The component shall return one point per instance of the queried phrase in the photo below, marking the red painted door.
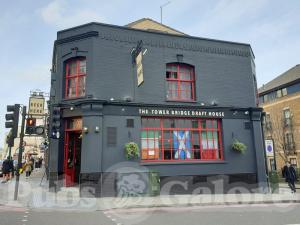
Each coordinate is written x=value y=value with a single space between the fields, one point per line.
x=72 y=153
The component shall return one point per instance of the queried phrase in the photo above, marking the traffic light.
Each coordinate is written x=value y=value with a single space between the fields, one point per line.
x=12 y=119
x=55 y=122
x=30 y=126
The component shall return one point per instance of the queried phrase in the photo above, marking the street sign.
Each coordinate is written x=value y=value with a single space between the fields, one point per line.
x=36 y=105
x=269 y=148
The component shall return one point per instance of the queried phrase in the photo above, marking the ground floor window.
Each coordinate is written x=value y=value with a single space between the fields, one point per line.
x=177 y=139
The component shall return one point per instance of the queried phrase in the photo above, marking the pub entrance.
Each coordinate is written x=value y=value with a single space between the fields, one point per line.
x=72 y=151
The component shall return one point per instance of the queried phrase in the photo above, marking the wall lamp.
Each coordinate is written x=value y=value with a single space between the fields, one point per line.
x=97 y=129
x=214 y=103
x=85 y=130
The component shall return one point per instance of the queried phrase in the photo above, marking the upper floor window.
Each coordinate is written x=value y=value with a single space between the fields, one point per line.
x=279 y=93
x=284 y=92
x=75 y=77
x=268 y=122
x=180 y=82
x=289 y=143
x=287 y=120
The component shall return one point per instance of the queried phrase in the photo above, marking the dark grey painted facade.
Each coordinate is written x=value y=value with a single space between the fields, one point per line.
x=224 y=74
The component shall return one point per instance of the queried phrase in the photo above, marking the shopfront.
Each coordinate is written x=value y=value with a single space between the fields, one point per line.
x=183 y=100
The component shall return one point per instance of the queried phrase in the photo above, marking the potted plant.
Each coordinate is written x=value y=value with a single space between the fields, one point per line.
x=238 y=146
x=131 y=150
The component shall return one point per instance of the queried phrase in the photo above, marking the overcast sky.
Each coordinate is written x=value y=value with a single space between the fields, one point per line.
x=28 y=29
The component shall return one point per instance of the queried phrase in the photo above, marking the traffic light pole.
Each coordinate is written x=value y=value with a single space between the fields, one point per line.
x=9 y=153
x=20 y=153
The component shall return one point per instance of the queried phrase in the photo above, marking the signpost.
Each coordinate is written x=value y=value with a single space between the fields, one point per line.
x=269 y=148
x=270 y=152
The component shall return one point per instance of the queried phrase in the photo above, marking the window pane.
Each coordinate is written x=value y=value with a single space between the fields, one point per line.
x=71 y=87
x=195 y=123
x=186 y=86
x=72 y=68
x=181 y=123
x=284 y=92
x=172 y=67
x=81 y=86
x=182 y=145
x=279 y=94
x=214 y=124
x=75 y=123
x=186 y=95
x=172 y=92
x=196 y=145
x=203 y=124
x=150 y=122
x=216 y=138
x=185 y=76
x=172 y=75
x=210 y=140
x=172 y=85
x=82 y=66
x=204 y=140
x=168 y=123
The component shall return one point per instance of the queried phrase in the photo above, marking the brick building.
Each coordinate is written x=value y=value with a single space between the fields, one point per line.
x=182 y=99
x=280 y=99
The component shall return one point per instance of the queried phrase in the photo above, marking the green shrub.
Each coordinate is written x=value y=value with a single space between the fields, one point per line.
x=274 y=181
x=131 y=150
x=238 y=146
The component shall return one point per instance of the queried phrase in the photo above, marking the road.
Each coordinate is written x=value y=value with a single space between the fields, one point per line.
x=280 y=214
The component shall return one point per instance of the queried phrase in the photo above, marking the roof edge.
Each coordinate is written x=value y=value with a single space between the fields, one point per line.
x=279 y=87
x=282 y=85
x=148 y=31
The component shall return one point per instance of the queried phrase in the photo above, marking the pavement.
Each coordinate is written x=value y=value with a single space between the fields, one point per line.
x=34 y=194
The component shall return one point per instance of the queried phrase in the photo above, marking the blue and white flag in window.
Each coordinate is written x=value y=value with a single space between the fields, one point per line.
x=182 y=145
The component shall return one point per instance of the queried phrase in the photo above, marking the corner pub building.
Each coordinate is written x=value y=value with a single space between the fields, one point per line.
x=182 y=99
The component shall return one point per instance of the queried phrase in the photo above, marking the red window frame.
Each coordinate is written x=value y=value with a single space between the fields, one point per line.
x=205 y=154
x=75 y=76
x=178 y=92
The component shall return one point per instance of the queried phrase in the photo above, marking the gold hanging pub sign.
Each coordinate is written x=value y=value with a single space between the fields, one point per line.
x=137 y=56
x=139 y=69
